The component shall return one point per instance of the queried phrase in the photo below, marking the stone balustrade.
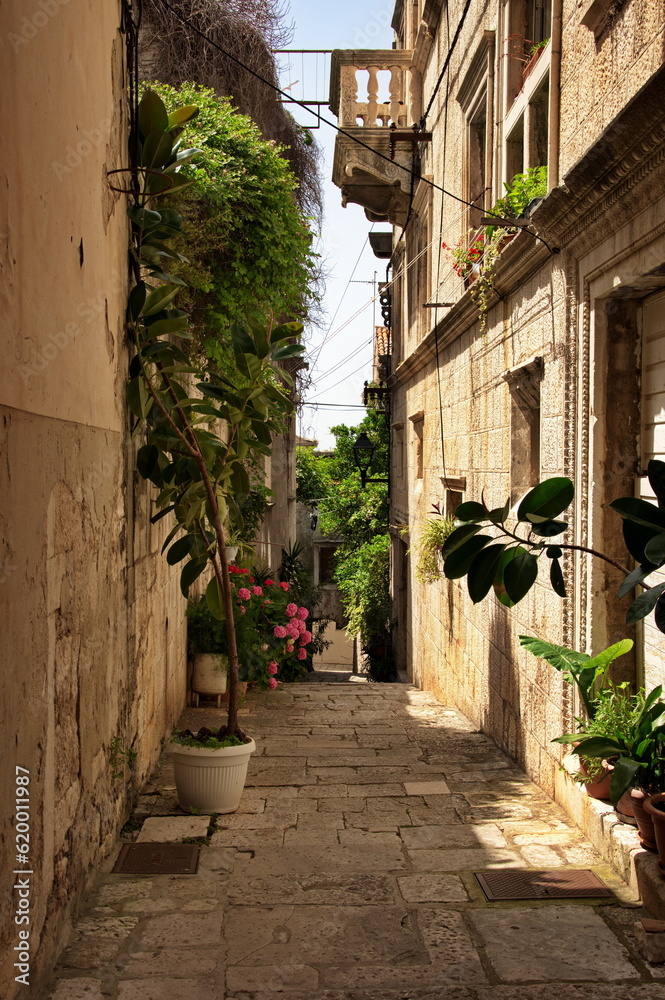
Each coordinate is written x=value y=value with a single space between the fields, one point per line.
x=372 y=172
x=401 y=109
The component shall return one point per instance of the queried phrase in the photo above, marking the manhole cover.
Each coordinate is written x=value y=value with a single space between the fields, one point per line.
x=157 y=859
x=556 y=884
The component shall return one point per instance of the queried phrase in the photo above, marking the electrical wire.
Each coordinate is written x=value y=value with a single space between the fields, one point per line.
x=350 y=375
x=399 y=274
x=326 y=121
x=339 y=306
x=340 y=364
x=451 y=49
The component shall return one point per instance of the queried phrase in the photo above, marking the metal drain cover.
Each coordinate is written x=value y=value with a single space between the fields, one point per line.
x=558 y=883
x=157 y=859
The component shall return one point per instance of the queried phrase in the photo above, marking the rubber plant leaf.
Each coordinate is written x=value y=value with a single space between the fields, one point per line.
x=556 y=578
x=640 y=511
x=643 y=604
x=659 y=614
x=191 y=571
x=483 y=570
x=470 y=511
x=632 y=580
x=187 y=113
x=548 y=499
x=458 y=537
x=656 y=474
x=547 y=529
x=520 y=574
x=214 y=599
x=655 y=549
x=456 y=565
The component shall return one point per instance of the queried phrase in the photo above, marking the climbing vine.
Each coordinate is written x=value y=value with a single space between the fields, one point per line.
x=252 y=257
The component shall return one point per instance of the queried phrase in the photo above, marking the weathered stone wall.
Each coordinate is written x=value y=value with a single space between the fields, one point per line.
x=92 y=622
x=599 y=76
x=579 y=312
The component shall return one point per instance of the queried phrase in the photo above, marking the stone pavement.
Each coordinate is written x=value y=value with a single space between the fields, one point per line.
x=346 y=874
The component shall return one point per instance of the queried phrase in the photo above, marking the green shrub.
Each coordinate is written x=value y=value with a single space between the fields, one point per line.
x=251 y=258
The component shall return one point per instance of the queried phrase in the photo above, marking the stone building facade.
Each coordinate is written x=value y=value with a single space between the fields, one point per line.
x=565 y=376
x=93 y=625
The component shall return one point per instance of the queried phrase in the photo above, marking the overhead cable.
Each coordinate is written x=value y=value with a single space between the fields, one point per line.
x=326 y=121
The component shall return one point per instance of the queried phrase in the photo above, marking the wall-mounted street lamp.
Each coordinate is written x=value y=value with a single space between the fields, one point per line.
x=363 y=453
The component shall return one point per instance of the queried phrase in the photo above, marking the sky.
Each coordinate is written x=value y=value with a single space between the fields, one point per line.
x=341 y=361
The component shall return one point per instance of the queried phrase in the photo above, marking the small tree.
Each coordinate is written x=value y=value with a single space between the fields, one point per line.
x=177 y=404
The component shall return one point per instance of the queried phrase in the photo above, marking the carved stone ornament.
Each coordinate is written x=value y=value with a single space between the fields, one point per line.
x=524 y=383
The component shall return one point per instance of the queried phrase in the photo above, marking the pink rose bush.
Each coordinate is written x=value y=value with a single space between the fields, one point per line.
x=269 y=626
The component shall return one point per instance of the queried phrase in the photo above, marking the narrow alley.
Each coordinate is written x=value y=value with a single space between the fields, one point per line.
x=348 y=873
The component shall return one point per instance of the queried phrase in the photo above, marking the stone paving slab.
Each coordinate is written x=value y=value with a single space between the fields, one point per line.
x=347 y=873
x=172 y=829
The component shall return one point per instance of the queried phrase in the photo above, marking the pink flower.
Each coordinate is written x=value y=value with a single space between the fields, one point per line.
x=292 y=631
x=305 y=638
x=251 y=579
x=283 y=585
x=291 y=610
x=302 y=654
x=267 y=601
x=242 y=611
x=289 y=649
x=257 y=591
x=244 y=594
x=303 y=614
x=269 y=583
x=279 y=632
x=272 y=667
x=272 y=683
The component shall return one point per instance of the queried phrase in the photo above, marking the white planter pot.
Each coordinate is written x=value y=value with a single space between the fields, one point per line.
x=211 y=780
x=210 y=675
x=231 y=552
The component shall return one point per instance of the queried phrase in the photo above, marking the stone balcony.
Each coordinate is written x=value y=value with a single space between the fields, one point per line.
x=364 y=177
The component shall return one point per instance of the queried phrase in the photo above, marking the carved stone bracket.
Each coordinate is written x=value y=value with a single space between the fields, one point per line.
x=524 y=383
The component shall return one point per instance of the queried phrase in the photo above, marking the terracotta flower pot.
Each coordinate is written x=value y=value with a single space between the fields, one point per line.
x=654 y=806
x=624 y=809
x=599 y=788
x=644 y=821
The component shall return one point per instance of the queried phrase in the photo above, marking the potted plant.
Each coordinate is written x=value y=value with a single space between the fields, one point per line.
x=654 y=808
x=467 y=254
x=633 y=738
x=590 y=674
x=209 y=651
x=179 y=401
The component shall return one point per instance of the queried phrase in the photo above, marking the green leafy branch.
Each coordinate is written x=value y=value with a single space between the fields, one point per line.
x=199 y=426
x=510 y=566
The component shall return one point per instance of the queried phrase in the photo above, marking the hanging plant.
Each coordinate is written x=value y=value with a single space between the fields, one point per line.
x=431 y=540
x=482 y=288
